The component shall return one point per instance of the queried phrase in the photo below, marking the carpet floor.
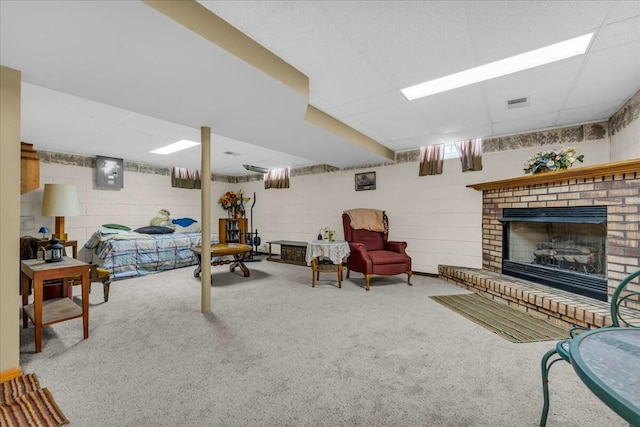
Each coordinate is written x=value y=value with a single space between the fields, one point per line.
x=509 y=323
x=277 y=352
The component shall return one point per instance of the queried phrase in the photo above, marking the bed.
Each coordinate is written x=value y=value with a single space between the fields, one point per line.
x=131 y=254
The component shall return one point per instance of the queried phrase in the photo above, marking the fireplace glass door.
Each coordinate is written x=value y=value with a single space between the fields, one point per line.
x=557 y=252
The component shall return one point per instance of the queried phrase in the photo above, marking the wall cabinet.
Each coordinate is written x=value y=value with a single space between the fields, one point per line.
x=232 y=230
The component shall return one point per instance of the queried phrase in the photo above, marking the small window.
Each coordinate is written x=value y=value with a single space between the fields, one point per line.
x=450 y=151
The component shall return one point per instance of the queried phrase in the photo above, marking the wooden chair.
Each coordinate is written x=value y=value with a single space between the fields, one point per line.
x=622 y=315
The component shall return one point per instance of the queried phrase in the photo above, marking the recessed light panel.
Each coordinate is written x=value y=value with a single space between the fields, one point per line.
x=524 y=61
x=176 y=146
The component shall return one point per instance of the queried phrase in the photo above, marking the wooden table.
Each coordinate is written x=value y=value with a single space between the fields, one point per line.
x=291 y=252
x=239 y=252
x=336 y=251
x=73 y=244
x=57 y=310
x=74 y=247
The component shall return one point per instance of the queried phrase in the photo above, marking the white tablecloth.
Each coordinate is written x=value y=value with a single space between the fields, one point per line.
x=336 y=251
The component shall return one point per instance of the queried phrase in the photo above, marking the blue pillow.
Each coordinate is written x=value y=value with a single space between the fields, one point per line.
x=154 y=229
x=183 y=222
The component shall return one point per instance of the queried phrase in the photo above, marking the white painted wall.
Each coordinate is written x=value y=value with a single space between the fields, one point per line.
x=438 y=216
x=140 y=200
x=626 y=143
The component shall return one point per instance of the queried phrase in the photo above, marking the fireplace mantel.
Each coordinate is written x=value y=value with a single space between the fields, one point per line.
x=613 y=168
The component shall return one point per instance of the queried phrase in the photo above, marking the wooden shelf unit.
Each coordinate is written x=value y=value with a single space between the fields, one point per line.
x=232 y=230
x=29 y=168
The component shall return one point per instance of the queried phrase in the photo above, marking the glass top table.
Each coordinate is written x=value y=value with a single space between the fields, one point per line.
x=607 y=360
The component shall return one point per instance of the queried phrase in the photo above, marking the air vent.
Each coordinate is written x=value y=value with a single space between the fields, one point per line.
x=518 y=102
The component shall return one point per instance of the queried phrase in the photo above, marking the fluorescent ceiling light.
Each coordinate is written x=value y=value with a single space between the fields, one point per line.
x=524 y=61
x=176 y=146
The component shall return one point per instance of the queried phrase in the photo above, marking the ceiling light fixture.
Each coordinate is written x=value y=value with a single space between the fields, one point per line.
x=524 y=61
x=176 y=146
x=256 y=169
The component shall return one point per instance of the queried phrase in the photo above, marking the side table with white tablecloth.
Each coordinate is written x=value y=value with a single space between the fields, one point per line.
x=336 y=251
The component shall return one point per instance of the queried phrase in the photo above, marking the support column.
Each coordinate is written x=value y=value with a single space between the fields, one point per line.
x=205 y=214
x=10 y=83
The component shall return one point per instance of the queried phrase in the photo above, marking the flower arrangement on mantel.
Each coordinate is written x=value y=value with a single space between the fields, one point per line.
x=552 y=160
x=233 y=203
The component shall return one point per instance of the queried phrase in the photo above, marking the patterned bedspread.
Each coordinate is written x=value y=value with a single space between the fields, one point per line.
x=135 y=254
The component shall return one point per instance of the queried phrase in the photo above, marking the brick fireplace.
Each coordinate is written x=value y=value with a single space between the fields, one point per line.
x=613 y=185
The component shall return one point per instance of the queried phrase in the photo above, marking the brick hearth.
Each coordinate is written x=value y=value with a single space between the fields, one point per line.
x=555 y=305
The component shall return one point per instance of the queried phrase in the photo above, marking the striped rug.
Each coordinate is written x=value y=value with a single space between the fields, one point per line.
x=510 y=323
x=24 y=404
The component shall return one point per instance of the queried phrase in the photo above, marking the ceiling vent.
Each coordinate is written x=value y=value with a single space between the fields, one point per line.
x=518 y=102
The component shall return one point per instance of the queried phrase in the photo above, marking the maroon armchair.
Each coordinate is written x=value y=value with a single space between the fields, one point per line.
x=372 y=253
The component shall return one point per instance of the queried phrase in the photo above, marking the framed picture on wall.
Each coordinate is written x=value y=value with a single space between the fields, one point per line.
x=109 y=173
x=365 y=181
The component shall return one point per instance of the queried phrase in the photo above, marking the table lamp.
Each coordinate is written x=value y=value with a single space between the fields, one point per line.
x=44 y=230
x=60 y=200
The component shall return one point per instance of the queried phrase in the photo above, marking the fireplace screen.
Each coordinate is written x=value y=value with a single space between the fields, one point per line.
x=573 y=247
x=560 y=247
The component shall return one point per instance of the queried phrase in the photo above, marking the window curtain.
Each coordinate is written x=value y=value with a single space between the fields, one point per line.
x=431 y=160
x=470 y=154
x=185 y=178
x=277 y=178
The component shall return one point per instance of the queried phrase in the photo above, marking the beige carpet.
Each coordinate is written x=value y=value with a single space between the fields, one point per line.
x=509 y=323
x=276 y=352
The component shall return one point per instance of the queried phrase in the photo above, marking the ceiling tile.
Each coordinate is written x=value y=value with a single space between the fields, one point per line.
x=617 y=33
x=608 y=74
x=600 y=111
x=394 y=122
x=418 y=141
x=453 y=110
x=545 y=94
x=408 y=42
x=530 y=123
x=477 y=131
x=504 y=28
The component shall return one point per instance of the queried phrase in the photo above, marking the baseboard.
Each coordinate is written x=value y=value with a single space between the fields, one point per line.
x=419 y=273
x=10 y=374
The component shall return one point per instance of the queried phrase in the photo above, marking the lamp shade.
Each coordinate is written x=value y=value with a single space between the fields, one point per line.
x=43 y=230
x=60 y=200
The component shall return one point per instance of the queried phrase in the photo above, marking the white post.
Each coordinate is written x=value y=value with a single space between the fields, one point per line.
x=205 y=214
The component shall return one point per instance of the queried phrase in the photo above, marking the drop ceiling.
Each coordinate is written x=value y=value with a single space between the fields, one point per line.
x=120 y=79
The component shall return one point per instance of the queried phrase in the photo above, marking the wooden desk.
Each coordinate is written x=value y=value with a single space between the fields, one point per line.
x=57 y=310
x=238 y=250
